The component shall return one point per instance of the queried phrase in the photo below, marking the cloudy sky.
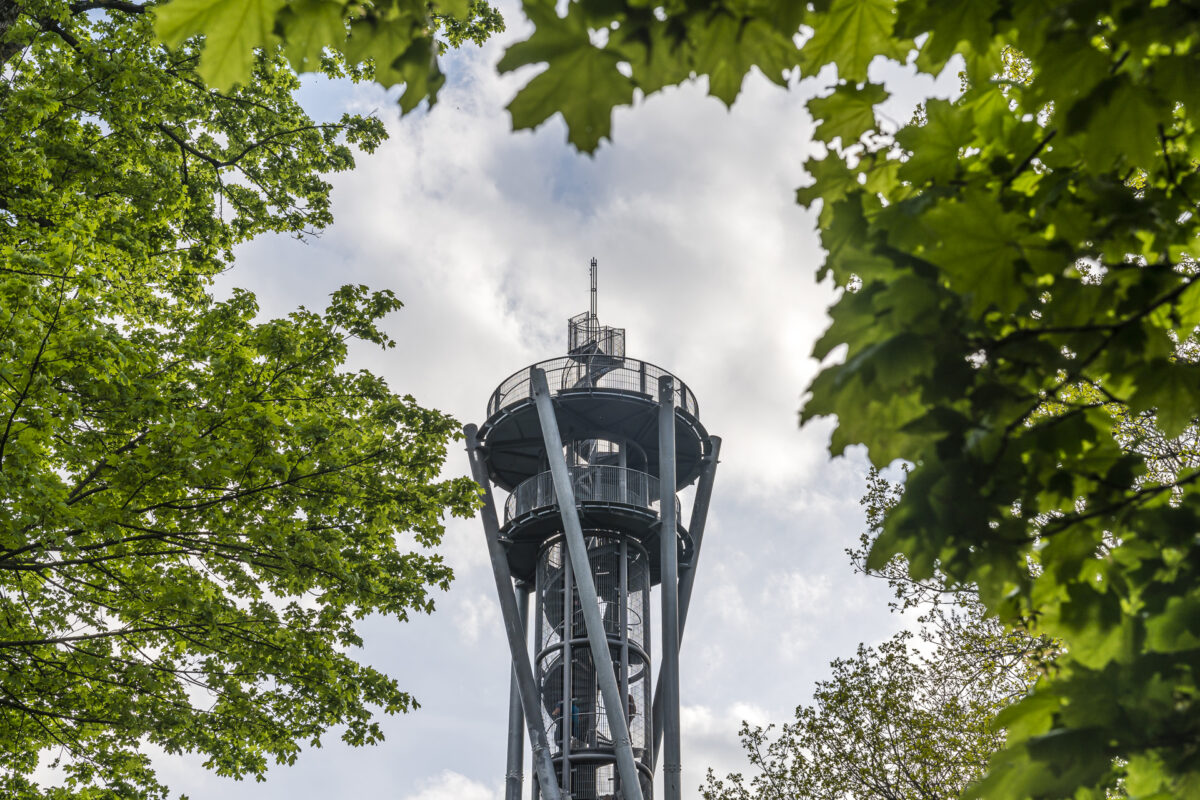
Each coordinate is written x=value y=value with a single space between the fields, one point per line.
x=710 y=266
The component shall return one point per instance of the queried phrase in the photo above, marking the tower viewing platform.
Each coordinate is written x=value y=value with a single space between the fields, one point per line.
x=619 y=399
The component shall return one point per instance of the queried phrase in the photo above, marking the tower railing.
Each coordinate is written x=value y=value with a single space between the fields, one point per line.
x=598 y=372
x=603 y=483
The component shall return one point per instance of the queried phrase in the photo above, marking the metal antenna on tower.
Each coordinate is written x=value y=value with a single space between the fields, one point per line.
x=590 y=524
x=593 y=272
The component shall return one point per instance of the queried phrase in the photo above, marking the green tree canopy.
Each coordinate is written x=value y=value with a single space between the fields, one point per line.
x=888 y=724
x=1033 y=237
x=911 y=719
x=399 y=40
x=196 y=506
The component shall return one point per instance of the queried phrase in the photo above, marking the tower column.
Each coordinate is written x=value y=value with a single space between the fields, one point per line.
x=567 y=719
x=687 y=578
x=669 y=566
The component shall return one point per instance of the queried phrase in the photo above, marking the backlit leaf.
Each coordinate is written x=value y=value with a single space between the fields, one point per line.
x=232 y=30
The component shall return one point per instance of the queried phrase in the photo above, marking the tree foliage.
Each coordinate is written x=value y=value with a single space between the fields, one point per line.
x=888 y=724
x=399 y=40
x=911 y=719
x=1029 y=239
x=196 y=506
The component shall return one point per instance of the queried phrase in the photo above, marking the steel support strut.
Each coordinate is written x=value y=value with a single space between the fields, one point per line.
x=687 y=577
x=669 y=570
x=614 y=704
x=516 y=717
x=517 y=643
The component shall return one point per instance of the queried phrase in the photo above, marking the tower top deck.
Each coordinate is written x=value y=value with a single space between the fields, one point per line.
x=603 y=394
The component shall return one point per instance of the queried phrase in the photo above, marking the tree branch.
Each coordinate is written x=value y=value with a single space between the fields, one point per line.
x=107 y=5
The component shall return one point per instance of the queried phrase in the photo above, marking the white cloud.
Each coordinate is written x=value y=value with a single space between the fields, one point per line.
x=729 y=602
x=701 y=722
x=798 y=593
x=463 y=546
x=449 y=785
x=709 y=737
x=475 y=613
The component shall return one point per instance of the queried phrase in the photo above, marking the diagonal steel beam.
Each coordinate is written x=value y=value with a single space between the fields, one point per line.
x=687 y=577
x=517 y=643
x=614 y=704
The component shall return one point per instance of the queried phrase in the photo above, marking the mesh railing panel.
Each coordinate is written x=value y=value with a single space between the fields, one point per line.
x=591 y=781
x=637 y=601
x=590 y=483
x=601 y=372
x=586 y=334
x=639 y=703
x=550 y=588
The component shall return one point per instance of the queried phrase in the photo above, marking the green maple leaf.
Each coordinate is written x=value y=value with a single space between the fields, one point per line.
x=1170 y=389
x=845 y=236
x=1187 y=308
x=1071 y=67
x=584 y=86
x=1177 y=628
x=552 y=38
x=309 y=26
x=419 y=71
x=852 y=33
x=935 y=145
x=1121 y=124
x=1176 y=78
x=832 y=181
x=581 y=81
x=657 y=55
x=232 y=29
x=977 y=249
x=727 y=47
x=948 y=22
x=385 y=41
x=847 y=113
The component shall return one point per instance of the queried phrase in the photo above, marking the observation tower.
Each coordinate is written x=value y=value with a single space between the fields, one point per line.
x=592 y=448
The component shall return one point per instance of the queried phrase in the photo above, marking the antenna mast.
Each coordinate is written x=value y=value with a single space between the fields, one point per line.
x=593 y=271
x=587 y=339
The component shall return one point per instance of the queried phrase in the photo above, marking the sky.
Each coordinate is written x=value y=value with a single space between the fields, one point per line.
x=710 y=266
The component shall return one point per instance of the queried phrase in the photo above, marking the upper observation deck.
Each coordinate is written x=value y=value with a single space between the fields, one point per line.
x=597 y=395
x=606 y=497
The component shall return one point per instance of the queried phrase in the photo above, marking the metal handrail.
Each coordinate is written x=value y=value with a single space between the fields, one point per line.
x=591 y=372
x=590 y=483
x=590 y=731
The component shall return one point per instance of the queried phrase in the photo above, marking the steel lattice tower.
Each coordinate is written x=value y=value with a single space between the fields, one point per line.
x=592 y=448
